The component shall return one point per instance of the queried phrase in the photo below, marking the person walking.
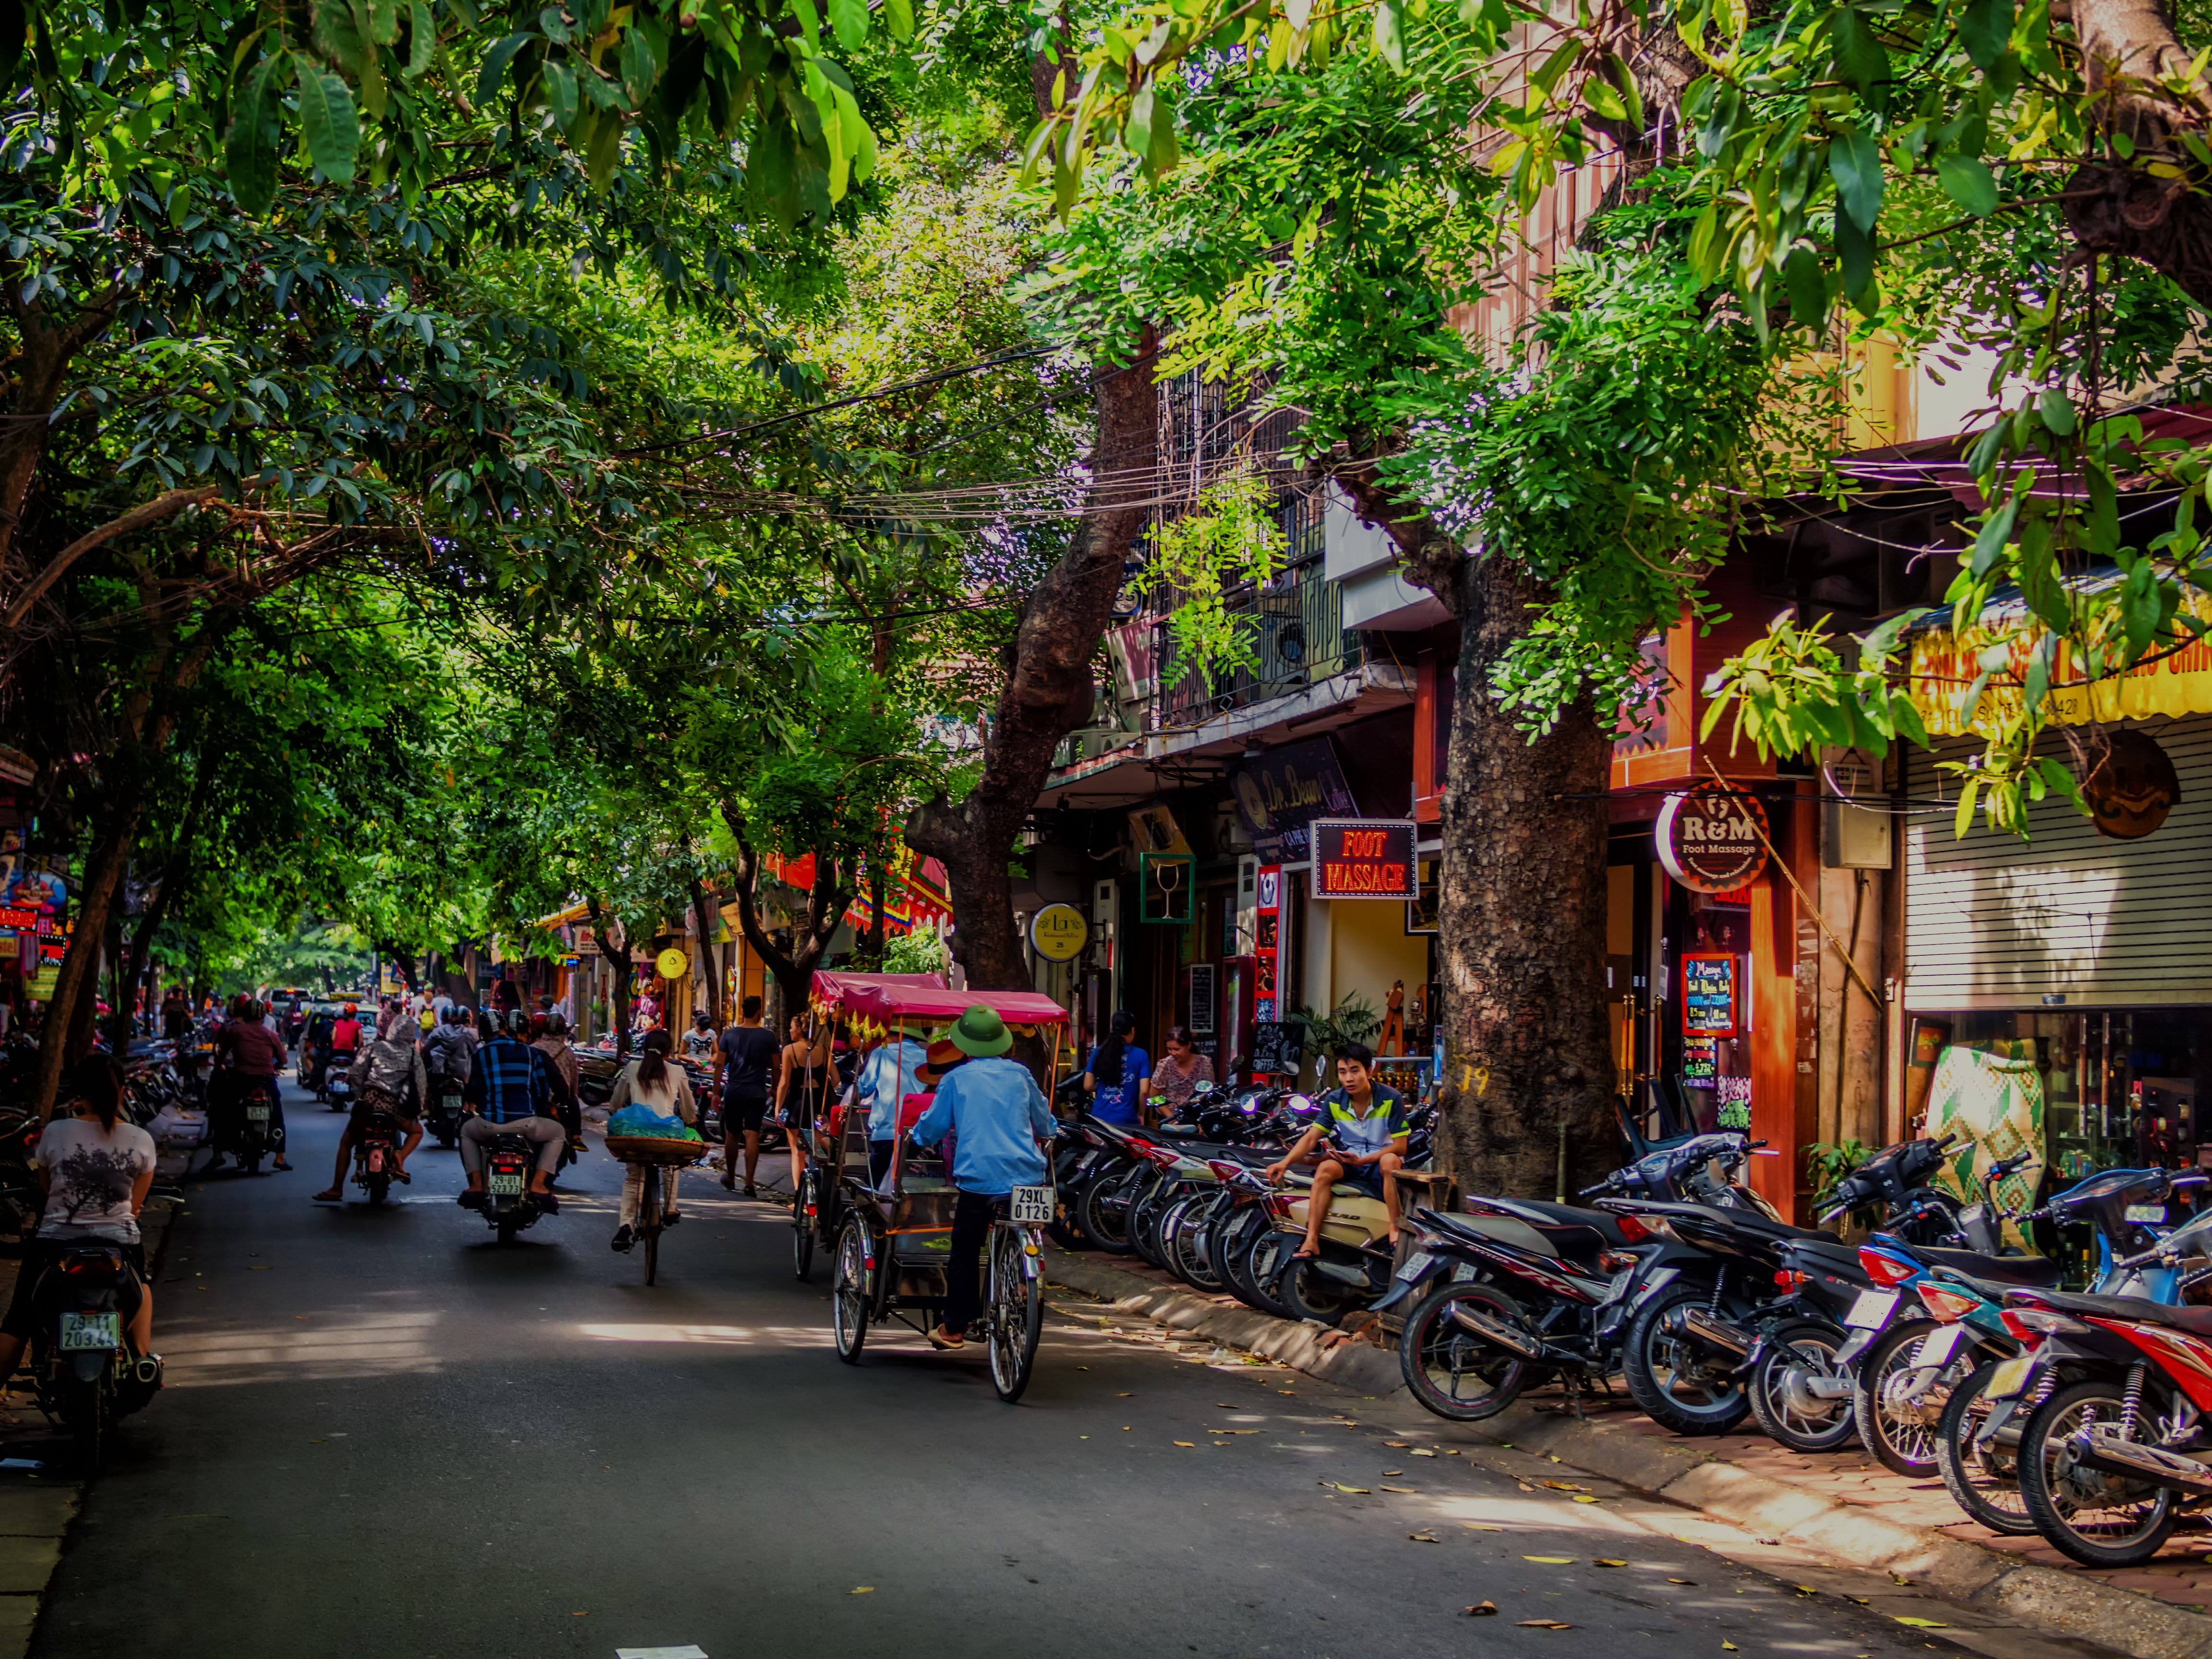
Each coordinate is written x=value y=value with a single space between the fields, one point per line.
x=798 y=1089
x=664 y=1090
x=553 y=1043
x=741 y=1081
x=1000 y=1124
x=1113 y=1076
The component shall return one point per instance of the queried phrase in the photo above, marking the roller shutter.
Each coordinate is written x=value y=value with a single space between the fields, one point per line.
x=1992 y=921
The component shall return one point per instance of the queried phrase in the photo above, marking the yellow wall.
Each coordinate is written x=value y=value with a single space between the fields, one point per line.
x=1368 y=947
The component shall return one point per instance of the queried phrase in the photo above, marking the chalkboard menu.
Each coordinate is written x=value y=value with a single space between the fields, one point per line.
x=1701 y=1061
x=1277 y=1048
x=1709 y=993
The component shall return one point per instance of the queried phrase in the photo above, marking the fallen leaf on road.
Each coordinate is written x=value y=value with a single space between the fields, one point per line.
x=261 y=1270
x=1224 y=1405
x=1565 y=1486
x=318 y=1442
x=1356 y=1492
x=1400 y=1444
x=1193 y=1444
x=1125 y=1428
x=1125 y=1397
x=1728 y=1647
x=865 y=1590
x=1603 y=1562
x=1919 y=1623
x=1394 y=1471
x=1545 y=1624
x=1804 y=1589
x=1586 y=1498
x=1418 y=1453
x=1524 y=1485
x=1551 y=1560
x=1483 y=1609
x=1409 y=1490
x=1232 y=1430
x=1425 y=1538
x=1682 y=1581
x=1477 y=1526
x=1450 y=1451
x=584 y=1613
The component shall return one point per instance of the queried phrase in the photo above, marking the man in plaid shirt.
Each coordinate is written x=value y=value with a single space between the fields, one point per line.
x=511 y=1089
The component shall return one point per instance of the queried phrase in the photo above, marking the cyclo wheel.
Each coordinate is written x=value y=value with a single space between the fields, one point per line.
x=802 y=1225
x=1016 y=1317
x=850 y=1300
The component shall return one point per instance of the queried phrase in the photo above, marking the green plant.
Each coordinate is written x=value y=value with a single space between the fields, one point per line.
x=1826 y=1164
x=1355 y=1019
x=1229 y=538
x=916 y=953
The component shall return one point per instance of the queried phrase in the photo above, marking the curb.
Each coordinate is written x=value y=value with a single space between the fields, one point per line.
x=1851 y=1534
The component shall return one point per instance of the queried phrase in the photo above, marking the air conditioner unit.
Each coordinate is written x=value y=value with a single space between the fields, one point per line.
x=1244 y=916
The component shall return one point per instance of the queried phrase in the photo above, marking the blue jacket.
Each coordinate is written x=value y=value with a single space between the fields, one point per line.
x=888 y=1076
x=996 y=1114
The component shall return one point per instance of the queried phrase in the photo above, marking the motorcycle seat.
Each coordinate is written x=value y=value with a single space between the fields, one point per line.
x=2198 y=1321
x=1569 y=1217
x=2028 y=1271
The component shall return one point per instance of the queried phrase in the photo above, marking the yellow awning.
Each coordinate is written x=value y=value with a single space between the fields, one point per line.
x=2168 y=684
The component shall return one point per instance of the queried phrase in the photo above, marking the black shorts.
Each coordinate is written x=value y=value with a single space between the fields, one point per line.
x=744 y=1112
x=40 y=1254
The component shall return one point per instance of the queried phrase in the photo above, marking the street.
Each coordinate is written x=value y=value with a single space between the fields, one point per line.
x=385 y=1434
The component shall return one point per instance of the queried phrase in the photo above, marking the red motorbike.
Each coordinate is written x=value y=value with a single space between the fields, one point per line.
x=2117 y=1397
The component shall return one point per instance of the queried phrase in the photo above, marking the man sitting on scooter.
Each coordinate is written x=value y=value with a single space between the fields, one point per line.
x=1364 y=1124
x=512 y=1087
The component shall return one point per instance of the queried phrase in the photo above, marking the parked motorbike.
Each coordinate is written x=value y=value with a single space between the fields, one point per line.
x=86 y=1377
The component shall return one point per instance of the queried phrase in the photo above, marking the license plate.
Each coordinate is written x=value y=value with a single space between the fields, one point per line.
x=1032 y=1206
x=1414 y=1263
x=1937 y=1346
x=1871 y=1311
x=2010 y=1378
x=2150 y=1214
x=257 y=1115
x=86 y=1332
x=451 y=1104
x=505 y=1186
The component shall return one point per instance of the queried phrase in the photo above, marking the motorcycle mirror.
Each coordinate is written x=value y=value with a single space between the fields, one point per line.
x=1301 y=1103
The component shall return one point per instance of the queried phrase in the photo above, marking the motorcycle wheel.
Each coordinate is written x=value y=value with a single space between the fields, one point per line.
x=448 y=1137
x=1983 y=1481
x=1671 y=1381
x=1183 y=1231
x=1903 y=1436
x=1453 y=1372
x=2100 y=1520
x=1103 y=1226
x=507 y=1232
x=252 y=1162
x=1233 y=1256
x=379 y=1188
x=848 y=1291
x=1144 y=1211
x=802 y=1226
x=1308 y=1295
x=1798 y=1352
x=1260 y=1264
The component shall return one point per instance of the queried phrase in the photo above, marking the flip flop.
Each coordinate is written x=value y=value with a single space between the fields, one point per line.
x=944 y=1346
x=336 y=1195
x=1305 y=1255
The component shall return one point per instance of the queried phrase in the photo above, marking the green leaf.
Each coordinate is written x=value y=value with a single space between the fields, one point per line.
x=1986 y=31
x=1603 y=100
x=2056 y=408
x=1390 y=35
x=1808 y=288
x=899 y=15
x=1995 y=533
x=1854 y=160
x=1137 y=132
x=495 y=62
x=849 y=19
x=1968 y=180
x=1855 y=252
x=560 y=92
x=250 y=149
x=1861 y=61
x=333 y=130
x=421 y=39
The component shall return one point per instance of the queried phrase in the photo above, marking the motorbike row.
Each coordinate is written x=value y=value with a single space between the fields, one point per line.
x=2086 y=1418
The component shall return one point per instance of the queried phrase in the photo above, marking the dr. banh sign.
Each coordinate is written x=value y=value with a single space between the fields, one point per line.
x=1365 y=858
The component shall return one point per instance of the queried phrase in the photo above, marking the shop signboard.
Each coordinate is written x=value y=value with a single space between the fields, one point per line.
x=1712 y=839
x=1199 y=1016
x=1701 y=1061
x=1365 y=858
x=1278 y=1049
x=1059 y=933
x=1709 y=993
x=1267 y=939
x=672 y=963
x=1279 y=793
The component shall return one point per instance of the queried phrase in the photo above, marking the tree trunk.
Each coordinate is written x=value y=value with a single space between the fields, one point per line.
x=73 y=984
x=710 y=921
x=175 y=874
x=616 y=958
x=1527 y=1067
x=825 y=906
x=41 y=360
x=1050 y=690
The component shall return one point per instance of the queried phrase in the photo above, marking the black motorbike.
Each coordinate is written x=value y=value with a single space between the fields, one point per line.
x=86 y=1376
x=376 y=1154
x=445 y=1112
x=509 y=1206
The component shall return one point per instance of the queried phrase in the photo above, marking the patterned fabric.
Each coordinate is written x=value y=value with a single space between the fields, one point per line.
x=511 y=1081
x=1993 y=1100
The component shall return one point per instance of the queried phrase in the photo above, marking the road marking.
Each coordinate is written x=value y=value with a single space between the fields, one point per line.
x=688 y=1651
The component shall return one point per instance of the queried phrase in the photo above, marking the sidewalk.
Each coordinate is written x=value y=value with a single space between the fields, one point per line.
x=37 y=1508
x=1845 y=1508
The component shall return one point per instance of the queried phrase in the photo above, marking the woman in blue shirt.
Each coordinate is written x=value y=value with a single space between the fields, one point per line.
x=1115 y=1075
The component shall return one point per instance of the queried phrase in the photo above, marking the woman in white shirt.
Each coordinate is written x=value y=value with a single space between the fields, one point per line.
x=651 y=1082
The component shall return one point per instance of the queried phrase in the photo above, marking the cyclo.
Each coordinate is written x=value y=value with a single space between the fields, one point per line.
x=894 y=1242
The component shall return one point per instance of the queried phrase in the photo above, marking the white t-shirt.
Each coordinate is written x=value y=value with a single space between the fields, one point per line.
x=93 y=1171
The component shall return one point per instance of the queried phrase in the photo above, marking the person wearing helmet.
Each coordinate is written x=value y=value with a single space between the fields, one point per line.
x=345 y=1035
x=247 y=1057
x=512 y=1089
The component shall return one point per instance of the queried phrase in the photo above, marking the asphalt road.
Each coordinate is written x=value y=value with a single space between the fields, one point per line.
x=386 y=1435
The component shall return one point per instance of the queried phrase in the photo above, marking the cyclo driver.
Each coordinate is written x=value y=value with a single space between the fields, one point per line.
x=511 y=1091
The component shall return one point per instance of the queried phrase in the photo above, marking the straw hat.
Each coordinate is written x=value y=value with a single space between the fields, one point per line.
x=943 y=1055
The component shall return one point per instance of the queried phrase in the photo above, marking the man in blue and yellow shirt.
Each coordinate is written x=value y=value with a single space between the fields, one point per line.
x=1364 y=1123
